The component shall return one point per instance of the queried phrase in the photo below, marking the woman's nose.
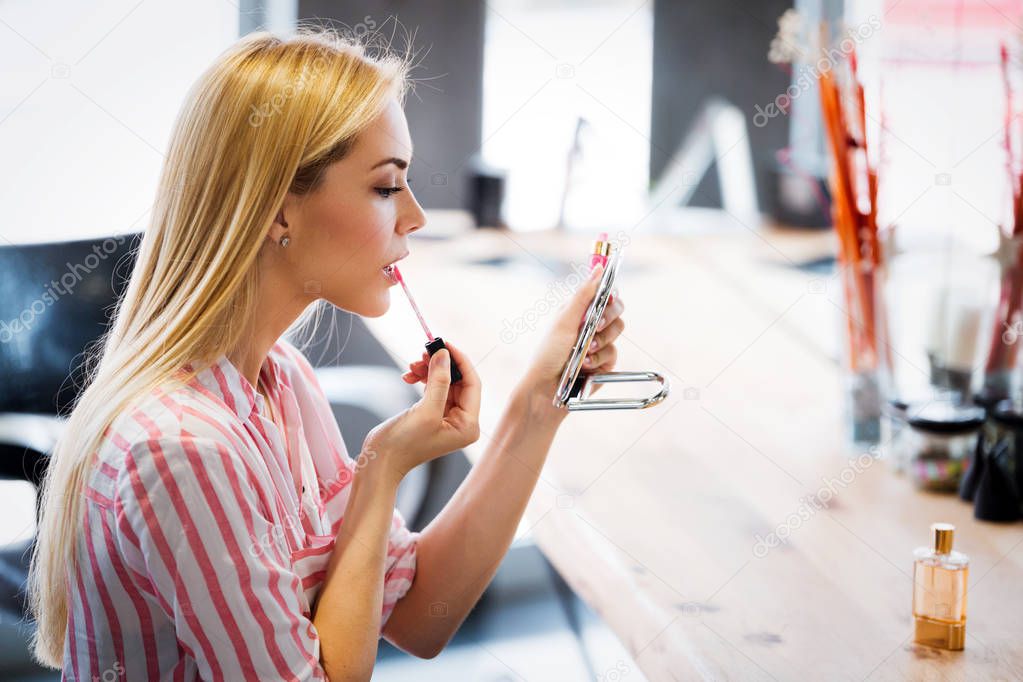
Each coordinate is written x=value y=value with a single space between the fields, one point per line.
x=415 y=217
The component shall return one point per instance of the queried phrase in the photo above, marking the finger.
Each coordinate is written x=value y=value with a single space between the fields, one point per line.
x=438 y=381
x=420 y=364
x=612 y=312
x=469 y=396
x=608 y=336
x=606 y=367
x=605 y=355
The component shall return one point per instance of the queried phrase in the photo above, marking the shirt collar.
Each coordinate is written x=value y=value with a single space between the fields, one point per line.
x=222 y=379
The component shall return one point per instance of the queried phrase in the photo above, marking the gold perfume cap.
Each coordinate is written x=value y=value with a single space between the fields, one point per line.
x=943 y=534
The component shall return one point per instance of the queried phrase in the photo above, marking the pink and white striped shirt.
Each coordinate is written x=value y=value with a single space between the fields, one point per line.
x=208 y=530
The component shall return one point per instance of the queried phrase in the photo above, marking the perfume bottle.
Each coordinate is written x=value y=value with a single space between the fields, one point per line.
x=939 y=591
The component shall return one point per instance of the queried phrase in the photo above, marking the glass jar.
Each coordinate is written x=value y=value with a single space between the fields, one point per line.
x=938 y=442
x=893 y=426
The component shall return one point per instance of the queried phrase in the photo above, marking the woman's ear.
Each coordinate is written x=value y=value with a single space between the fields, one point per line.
x=279 y=228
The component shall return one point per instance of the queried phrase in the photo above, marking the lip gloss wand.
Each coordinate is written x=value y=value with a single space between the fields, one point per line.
x=433 y=343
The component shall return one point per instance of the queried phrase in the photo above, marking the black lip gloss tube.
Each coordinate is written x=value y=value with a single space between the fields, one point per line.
x=435 y=345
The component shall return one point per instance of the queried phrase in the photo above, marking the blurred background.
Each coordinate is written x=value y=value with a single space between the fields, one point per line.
x=528 y=115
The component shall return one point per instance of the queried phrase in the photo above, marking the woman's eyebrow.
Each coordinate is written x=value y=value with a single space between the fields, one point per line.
x=400 y=163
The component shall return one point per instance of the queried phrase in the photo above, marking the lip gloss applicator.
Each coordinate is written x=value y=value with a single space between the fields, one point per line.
x=433 y=343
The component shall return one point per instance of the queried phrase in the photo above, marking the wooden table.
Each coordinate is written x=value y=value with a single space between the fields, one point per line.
x=654 y=516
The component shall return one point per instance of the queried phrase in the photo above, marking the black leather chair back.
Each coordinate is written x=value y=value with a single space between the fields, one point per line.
x=55 y=300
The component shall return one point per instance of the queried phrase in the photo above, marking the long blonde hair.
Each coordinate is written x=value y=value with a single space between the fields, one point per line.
x=267 y=117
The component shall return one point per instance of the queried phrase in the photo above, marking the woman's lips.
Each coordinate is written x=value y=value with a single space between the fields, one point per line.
x=388 y=270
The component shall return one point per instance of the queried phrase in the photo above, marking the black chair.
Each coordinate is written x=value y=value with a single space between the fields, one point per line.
x=55 y=301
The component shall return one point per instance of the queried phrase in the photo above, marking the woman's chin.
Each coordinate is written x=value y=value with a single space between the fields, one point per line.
x=378 y=306
x=372 y=307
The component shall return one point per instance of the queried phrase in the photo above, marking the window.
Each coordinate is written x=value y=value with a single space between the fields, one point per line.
x=546 y=65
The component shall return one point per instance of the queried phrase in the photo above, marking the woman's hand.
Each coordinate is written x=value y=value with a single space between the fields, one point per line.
x=541 y=379
x=549 y=362
x=445 y=419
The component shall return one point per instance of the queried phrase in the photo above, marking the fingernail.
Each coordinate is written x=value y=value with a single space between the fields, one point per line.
x=593 y=345
x=600 y=325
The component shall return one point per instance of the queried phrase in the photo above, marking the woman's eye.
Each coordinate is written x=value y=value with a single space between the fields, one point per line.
x=386 y=192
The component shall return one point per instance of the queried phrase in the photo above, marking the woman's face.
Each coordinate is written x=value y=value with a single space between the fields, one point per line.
x=357 y=221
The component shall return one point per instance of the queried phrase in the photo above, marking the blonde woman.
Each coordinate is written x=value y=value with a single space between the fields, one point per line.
x=201 y=517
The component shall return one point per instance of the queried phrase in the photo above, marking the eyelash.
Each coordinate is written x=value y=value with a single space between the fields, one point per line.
x=386 y=192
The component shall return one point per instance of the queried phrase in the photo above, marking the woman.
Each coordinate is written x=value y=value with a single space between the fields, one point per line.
x=201 y=517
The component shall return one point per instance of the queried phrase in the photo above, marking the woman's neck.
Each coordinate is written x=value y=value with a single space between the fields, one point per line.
x=279 y=306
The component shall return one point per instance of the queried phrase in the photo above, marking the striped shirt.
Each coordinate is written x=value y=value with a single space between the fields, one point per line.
x=208 y=528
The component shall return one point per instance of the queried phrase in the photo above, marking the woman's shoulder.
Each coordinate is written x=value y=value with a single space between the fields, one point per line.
x=175 y=408
x=170 y=417
x=207 y=406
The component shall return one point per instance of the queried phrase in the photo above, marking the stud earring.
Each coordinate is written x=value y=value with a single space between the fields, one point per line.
x=284 y=241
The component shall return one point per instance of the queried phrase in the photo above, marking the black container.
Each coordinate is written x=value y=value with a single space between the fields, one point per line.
x=486 y=194
x=994 y=480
